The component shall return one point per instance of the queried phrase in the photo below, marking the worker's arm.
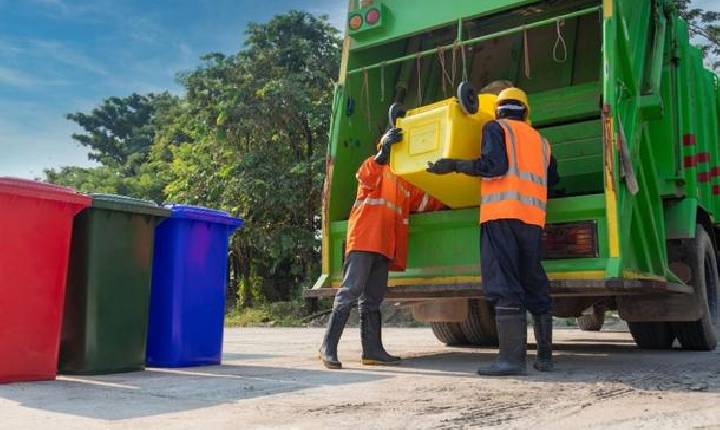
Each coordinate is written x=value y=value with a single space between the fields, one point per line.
x=391 y=137
x=420 y=201
x=369 y=175
x=493 y=160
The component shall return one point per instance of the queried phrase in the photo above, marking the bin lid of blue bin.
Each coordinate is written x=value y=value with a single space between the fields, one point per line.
x=115 y=202
x=200 y=213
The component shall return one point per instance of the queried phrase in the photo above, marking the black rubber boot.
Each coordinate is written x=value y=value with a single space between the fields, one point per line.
x=543 y=326
x=374 y=353
x=328 y=350
x=512 y=333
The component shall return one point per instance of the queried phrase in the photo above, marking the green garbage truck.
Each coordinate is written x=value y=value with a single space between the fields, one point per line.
x=632 y=116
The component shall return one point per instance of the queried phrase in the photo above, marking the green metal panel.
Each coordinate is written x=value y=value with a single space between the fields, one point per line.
x=446 y=243
x=407 y=17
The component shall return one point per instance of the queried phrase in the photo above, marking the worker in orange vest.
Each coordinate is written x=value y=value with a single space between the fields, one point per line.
x=516 y=167
x=377 y=242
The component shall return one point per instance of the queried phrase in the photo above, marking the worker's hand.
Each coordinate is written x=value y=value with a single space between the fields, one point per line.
x=391 y=137
x=442 y=166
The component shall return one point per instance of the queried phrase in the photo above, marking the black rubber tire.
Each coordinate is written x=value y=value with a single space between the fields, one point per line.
x=449 y=333
x=479 y=327
x=699 y=254
x=591 y=322
x=652 y=335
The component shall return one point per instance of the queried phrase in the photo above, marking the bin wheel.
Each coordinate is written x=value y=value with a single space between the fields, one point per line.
x=394 y=112
x=449 y=333
x=479 y=327
x=699 y=254
x=467 y=96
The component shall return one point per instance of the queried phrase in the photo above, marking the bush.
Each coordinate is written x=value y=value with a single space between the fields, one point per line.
x=278 y=314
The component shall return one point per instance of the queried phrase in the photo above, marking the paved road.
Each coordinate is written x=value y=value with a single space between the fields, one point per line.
x=272 y=379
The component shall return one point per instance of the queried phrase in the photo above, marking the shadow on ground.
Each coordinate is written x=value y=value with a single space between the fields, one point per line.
x=161 y=391
x=619 y=361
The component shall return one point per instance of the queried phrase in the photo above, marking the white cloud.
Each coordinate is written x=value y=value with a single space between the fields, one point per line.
x=49 y=51
x=17 y=78
x=61 y=53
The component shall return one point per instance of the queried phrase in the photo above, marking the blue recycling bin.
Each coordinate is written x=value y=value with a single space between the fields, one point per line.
x=187 y=300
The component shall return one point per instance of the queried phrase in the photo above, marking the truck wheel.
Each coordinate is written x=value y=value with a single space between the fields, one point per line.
x=699 y=254
x=591 y=322
x=449 y=333
x=652 y=335
x=479 y=327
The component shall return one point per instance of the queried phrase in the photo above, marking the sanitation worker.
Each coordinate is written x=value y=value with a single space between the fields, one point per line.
x=377 y=242
x=515 y=168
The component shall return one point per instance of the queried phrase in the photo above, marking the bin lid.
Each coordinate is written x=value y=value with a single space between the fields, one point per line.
x=42 y=190
x=115 y=202
x=200 y=213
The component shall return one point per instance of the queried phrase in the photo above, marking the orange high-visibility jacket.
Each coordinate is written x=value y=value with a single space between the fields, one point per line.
x=379 y=218
x=522 y=192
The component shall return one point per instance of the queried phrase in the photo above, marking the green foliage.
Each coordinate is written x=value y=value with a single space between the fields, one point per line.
x=255 y=136
x=119 y=134
x=249 y=136
x=706 y=25
x=278 y=314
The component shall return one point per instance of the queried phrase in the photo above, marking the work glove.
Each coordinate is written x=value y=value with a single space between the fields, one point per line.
x=391 y=137
x=442 y=166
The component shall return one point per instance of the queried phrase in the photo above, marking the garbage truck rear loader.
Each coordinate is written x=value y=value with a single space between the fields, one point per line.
x=632 y=117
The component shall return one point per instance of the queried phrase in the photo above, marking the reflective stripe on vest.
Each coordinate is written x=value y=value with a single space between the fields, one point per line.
x=513 y=195
x=424 y=203
x=377 y=202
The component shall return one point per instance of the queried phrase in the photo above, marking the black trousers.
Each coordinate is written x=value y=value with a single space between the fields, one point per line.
x=365 y=280
x=510 y=265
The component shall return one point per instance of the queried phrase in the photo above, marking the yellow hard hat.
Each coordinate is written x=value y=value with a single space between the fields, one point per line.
x=515 y=94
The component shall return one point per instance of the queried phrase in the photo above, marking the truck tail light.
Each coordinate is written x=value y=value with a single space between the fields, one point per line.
x=355 y=22
x=570 y=240
x=372 y=16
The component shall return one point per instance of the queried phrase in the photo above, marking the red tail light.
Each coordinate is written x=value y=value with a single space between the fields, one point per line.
x=372 y=16
x=355 y=22
x=570 y=240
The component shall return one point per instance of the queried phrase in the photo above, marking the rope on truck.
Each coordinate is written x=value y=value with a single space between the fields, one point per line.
x=560 y=42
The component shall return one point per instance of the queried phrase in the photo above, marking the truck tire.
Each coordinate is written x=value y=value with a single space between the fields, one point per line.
x=591 y=322
x=652 y=335
x=479 y=327
x=699 y=255
x=449 y=333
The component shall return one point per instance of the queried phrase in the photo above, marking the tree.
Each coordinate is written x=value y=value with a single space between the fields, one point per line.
x=706 y=25
x=254 y=140
x=249 y=136
x=119 y=134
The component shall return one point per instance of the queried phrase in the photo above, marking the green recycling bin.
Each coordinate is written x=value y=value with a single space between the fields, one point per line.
x=108 y=291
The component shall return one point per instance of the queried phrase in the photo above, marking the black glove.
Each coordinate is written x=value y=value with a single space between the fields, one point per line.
x=442 y=166
x=391 y=137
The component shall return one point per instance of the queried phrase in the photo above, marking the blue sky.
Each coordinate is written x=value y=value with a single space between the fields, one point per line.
x=60 y=56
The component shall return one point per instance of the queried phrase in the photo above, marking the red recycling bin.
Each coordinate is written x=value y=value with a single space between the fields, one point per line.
x=35 y=228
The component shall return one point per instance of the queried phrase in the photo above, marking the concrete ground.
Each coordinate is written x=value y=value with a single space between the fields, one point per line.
x=271 y=378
